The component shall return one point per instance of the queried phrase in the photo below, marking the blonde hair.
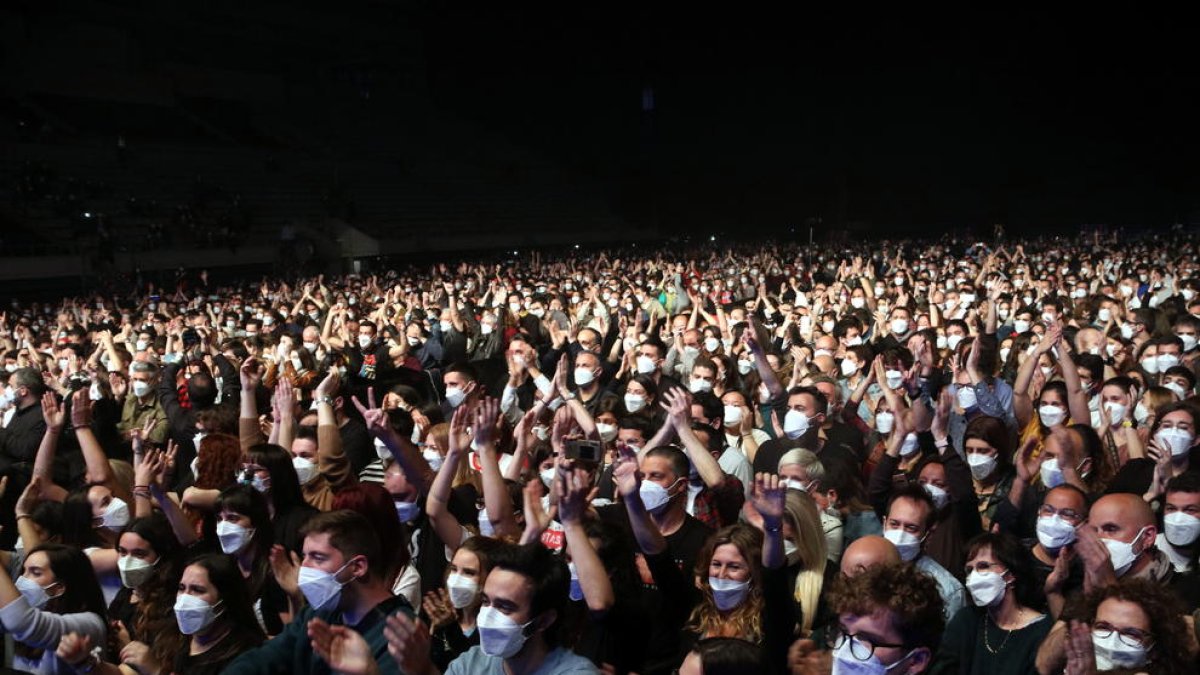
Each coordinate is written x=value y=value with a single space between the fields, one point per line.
x=801 y=512
x=807 y=460
x=744 y=621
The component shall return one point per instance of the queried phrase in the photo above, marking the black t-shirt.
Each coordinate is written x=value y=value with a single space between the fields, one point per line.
x=357 y=444
x=1137 y=474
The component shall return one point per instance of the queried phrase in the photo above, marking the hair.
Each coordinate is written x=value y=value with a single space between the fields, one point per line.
x=483 y=548
x=285 y=490
x=845 y=481
x=1170 y=653
x=801 y=512
x=144 y=367
x=220 y=457
x=77 y=524
x=1160 y=399
x=73 y=569
x=1093 y=448
x=680 y=464
x=546 y=573
x=246 y=501
x=808 y=460
x=468 y=371
x=153 y=617
x=373 y=502
x=710 y=404
x=1188 y=481
x=647 y=383
x=746 y=619
x=237 y=605
x=219 y=419
x=822 y=402
x=992 y=431
x=1008 y=551
x=910 y=595
x=351 y=534
x=30 y=378
x=729 y=656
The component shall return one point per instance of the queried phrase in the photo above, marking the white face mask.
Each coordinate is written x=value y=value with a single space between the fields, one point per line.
x=645 y=365
x=698 y=385
x=1112 y=653
x=1116 y=411
x=1179 y=390
x=407 y=511
x=849 y=367
x=499 y=636
x=1054 y=533
x=654 y=496
x=35 y=594
x=894 y=378
x=712 y=344
x=1166 y=361
x=320 y=588
x=966 y=396
x=1141 y=413
x=584 y=376
x=937 y=494
x=306 y=469
x=952 y=341
x=981 y=465
x=1150 y=365
x=1189 y=342
x=134 y=571
x=365 y=341
x=1177 y=440
x=858 y=303
x=911 y=444
x=1051 y=475
x=906 y=543
x=634 y=402
x=116 y=514
x=1122 y=553
x=899 y=326
x=728 y=594
x=1021 y=325
x=432 y=457
x=744 y=367
x=547 y=476
x=463 y=590
x=455 y=396
x=846 y=663
x=795 y=424
x=986 y=588
x=1051 y=415
x=233 y=537
x=732 y=415
x=1181 y=529
x=884 y=422
x=193 y=614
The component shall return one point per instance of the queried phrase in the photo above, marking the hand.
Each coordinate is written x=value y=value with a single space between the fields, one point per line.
x=1081 y=654
x=438 y=608
x=487 y=415
x=1098 y=569
x=940 y=427
x=575 y=493
x=81 y=409
x=52 y=412
x=74 y=648
x=459 y=439
x=330 y=386
x=137 y=656
x=118 y=384
x=626 y=475
x=1027 y=466
x=408 y=643
x=147 y=470
x=678 y=407
x=768 y=498
x=342 y=648
x=250 y=375
x=285 y=566
x=805 y=659
x=1061 y=572
x=30 y=496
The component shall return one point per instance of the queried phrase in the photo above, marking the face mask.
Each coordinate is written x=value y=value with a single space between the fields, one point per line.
x=1178 y=440
x=827 y=326
x=654 y=496
x=35 y=594
x=257 y=482
x=1181 y=529
x=899 y=326
x=407 y=511
x=320 y=588
x=94 y=392
x=462 y=590
x=937 y=494
x=1054 y=533
x=584 y=376
x=858 y=303
x=1141 y=413
x=233 y=537
x=698 y=385
x=981 y=465
x=849 y=367
x=1051 y=415
x=1051 y=475
x=941 y=342
x=795 y=424
x=311 y=347
x=140 y=388
x=1122 y=553
x=499 y=636
x=906 y=543
x=986 y=588
x=140 y=345
x=1189 y=342
x=645 y=365
x=116 y=514
x=911 y=444
x=607 y=431
x=967 y=399
x=846 y=663
x=712 y=344
x=1116 y=411
x=412 y=341
x=1150 y=365
x=894 y=378
x=134 y=571
x=193 y=614
x=728 y=594
x=884 y=422
x=306 y=469
x=634 y=403
x=455 y=396
x=365 y=341
x=744 y=367
x=1112 y=654
x=1166 y=361
x=1021 y=326
x=733 y=415
x=547 y=476
x=1178 y=389
x=485 y=526
x=1104 y=315
x=432 y=457
x=952 y=341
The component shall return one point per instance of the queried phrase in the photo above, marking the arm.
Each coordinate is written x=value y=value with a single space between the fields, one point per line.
x=628 y=479
x=249 y=432
x=331 y=459
x=98 y=469
x=593 y=578
x=679 y=417
x=43 y=465
x=495 y=493
x=406 y=455
x=768 y=498
x=1076 y=397
x=760 y=363
x=447 y=527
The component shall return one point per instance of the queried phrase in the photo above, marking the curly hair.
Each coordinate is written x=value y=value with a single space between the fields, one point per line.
x=154 y=620
x=220 y=457
x=909 y=594
x=744 y=621
x=1170 y=652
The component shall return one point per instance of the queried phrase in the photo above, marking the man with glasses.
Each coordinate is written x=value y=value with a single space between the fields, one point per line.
x=889 y=621
x=1063 y=509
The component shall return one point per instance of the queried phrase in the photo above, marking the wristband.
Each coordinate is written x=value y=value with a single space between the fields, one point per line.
x=325 y=399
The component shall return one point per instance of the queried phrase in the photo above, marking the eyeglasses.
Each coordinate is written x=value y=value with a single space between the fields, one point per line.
x=1130 y=636
x=985 y=566
x=1069 y=515
x=860 y=648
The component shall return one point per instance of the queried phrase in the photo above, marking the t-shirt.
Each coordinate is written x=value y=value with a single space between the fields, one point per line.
x=558 y=662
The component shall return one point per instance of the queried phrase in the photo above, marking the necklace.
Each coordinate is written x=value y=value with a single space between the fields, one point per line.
x=987 y=618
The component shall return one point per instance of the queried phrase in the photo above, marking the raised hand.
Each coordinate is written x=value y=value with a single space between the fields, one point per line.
x=626 y=474
x=768 y=498
x=374 y=417
x=575 y=493
x=459 y=439
x=52 y=412
x=250 y=374
x=438 y=608
x=342 y=648
x=487 y=415
x=1081 y=653
x=678 y=407
x=81 y=409
x=285 y=567
x=408 y=643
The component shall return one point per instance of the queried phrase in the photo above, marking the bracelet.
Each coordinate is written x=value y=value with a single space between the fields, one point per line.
x=325 y=399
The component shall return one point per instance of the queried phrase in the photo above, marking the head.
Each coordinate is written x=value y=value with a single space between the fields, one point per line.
x=722 y=656
x=988 y=447
x=216 y=580
x=866 y=552
x=911 y=516
x=27 y=387
x=270 y=466
x=1125 y=518
x=217 y=461
x=528 y=585
x=1142 y=615
x=669 y=467
x=343 y=544
x=1004 y=554
x=374 y=503
x=894 y=612
x=66 y=574
x=245 y=507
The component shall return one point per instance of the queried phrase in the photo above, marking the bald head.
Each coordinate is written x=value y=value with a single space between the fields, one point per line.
x=867 y=552
x=1129 y=510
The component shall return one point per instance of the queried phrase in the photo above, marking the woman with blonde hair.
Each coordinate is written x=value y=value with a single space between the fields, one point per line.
x=804 y=547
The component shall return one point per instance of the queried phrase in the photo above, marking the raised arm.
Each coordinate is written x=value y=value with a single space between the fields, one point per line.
x=679 y=417
x=573 y=488
x=98 y=469
x=495 y=493
x=628 y=479
x=448 y=529
x=43 y=464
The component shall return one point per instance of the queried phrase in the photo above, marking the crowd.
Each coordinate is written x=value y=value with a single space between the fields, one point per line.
x=897 y=457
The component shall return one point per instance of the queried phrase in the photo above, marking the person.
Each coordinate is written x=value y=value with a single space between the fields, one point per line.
x=801 y=470
x=890 y=620
x=524 y=598
x=722 y=656
x=342 y=578
x=1000 y=632
x=453 y=609
x=1133 y=625
x=1180 y=536
x=20 y=438
x=866 y=552
x=56 y=595
x=911 y=516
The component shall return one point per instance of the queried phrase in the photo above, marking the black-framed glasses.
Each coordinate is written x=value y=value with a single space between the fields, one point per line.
x=860 y=648
x=1132 y=637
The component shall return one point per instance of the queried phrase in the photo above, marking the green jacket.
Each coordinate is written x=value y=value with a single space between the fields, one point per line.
x=291 y=651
